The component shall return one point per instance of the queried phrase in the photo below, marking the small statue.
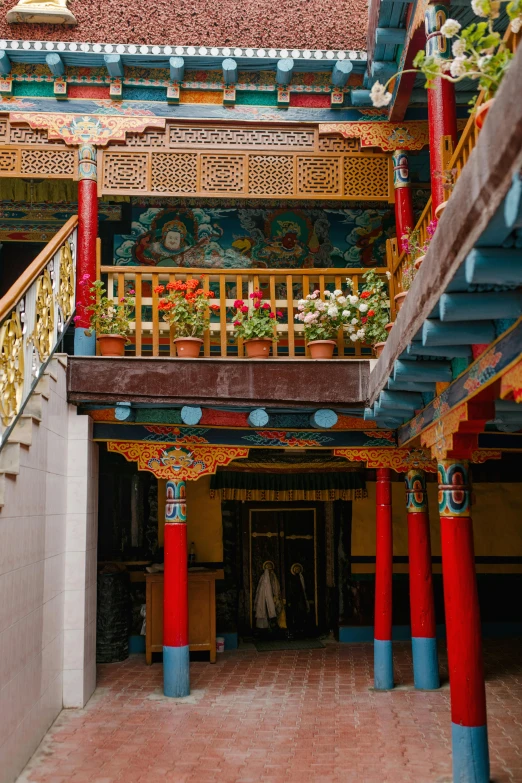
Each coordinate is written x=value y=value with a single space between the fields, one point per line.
x=41 y=12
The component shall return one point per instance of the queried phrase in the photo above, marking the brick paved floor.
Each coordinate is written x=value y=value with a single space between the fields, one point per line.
x=300 y=717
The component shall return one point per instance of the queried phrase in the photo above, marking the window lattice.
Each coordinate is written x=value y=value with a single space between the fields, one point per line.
x=8 y=160
x=338 y=144
x=223 y=173
x=241 y=137
x=318 y=175
x=366 y=176
x=148 y=139
x=122 y=171
x=174 y=172
x=271 y=175
x=57 y=162
x=20 y=134
x=3 y=131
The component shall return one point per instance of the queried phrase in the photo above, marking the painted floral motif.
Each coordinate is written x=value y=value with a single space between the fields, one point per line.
x=164 y=433
x=483 y=370
x=282 y=438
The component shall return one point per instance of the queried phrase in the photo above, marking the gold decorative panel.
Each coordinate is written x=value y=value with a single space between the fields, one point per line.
x=125 y=171
x=366 y=176
x=318 y=175
x=174 y=172
x=271 y=175
x=223 y=173
x=337 y=144
x=50 y=162
x=241 y=137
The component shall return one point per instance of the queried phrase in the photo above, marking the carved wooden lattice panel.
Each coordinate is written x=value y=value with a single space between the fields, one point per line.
x=174 y=172
x=271 y=175
x=366 y=176
x=148 y=139
x=52 y=162
x=19 y=134
x=8 y=160
x=338 y=144
x=241 y=137
x=4 y=131
x=318 y=175
x=124 y=171
x=223 y=173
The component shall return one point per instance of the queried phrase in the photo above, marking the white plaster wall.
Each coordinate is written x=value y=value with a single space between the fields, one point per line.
x=47 y=577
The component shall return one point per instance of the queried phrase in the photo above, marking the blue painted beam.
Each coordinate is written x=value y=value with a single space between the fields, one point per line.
x=507 y=406
x=55 y=64
x=390 y=35
x=457 y=333
x=480 y=307
x=229 y=67
x=422 y=371
x=258 y=418
x=341 y=71
x=177 y=69
x=513 y=204
x=414 y=386
x=442 y=352
x=191 y=415
x=360 y=98
x=493 y=266
x=503 y=221
x=114 y=65
x=323 y=419
x=5 y=62
x=400 y=401
x=285 y=68
x=382 y=71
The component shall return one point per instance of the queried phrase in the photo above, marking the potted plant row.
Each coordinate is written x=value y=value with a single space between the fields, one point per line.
x=109 y=320
x=186 y=308
x=255 y=325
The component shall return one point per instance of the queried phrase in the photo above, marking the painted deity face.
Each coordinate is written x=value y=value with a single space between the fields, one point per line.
x=173 y=240
x=289 y=240
x=177 y=459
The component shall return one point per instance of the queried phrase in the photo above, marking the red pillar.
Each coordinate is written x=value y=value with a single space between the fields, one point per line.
x=86 y=252
x=404 y=219
x=422 y=608
x=467 y=689
x=382 y=645
x=176 y=681
x=442 y=116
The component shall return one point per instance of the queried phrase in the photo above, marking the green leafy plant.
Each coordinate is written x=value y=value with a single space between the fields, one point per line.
x=256 y=321
x=324 y=316
x=185 y=307
x=105 y=315
x=374 y=319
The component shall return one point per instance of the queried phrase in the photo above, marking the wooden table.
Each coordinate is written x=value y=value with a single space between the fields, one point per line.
x=202 y=612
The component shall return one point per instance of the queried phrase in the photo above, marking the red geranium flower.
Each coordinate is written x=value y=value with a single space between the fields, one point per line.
x=365 y=294
x=244 y=309
x=238 y=303
x=237 y=323
x=370 y=313
x=257 y=304
x=363 y=320
x=279 y=314
x=271 y=315
x=159 y=289
x=214 y=306
x=265 y=306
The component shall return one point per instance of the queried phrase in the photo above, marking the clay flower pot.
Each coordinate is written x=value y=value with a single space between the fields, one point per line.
x=188 y=347
x=321 y=349
x=111 y=344
x=482 y=113
x=440 y=209
x=389 y=327
x=418 y=262
x=258 y=347
x=399 y=299
x=378 y=348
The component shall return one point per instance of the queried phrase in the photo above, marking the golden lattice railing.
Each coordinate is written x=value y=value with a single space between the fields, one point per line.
x=34 y=314
x=151 y=336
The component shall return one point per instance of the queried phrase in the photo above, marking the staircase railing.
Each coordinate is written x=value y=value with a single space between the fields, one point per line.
x=34 y=314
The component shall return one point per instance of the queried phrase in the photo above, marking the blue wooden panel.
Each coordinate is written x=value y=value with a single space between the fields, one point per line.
x=480 y=307
x=422 y=371
x=390 y=35
x=440 y=352
x=513 y=204
x=341 y=71
x=494 y=266
x=400 y=401
x=414 y=386
x=457 y=332
x=230 y=71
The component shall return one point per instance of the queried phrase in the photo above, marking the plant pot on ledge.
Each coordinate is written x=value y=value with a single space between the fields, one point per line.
x=258 y=347
x=188 y=347
x=111 y=344
x=399 y=299
x=321 y=349
x=418 y=262
x=389 y=327
x=482 y=113
x=378 y=348
x=440 y=209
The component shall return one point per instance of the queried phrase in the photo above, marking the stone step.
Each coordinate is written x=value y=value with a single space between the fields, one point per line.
x=10 y=459
x=34 y=406
x=23 y=430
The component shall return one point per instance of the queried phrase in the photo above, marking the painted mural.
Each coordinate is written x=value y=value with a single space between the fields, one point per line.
x=273 y=237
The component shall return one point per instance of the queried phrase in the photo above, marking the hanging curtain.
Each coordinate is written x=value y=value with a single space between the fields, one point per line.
x=232 y=485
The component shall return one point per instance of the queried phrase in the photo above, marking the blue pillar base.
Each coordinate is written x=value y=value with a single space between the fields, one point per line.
x=83 y=345
x=425 y=663
x=176 y=678
x=382 y=665
x=470 y=754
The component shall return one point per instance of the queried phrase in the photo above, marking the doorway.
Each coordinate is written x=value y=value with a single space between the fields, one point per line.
x=287 y=541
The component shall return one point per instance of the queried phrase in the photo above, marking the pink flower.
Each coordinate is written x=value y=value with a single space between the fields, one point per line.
x=265 y=306
x=122 y=299
x=279 y=314
x=271 y=315
x=237 y=323
x=132 y=291
x=257 y=304
x=238 y=303
x=244 y=309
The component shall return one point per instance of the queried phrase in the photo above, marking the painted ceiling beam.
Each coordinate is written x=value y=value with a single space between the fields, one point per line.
x=390 y=35
x=177 y=69
x=5 y=63
x=422 y=371
x=285 y=69
x=360 y=98
x=55 y=64
x=341 y=72
x=191 y=415
x=323 y=419
x=481 y=307
x=440 y=352
x=229 y=67
x=382 y=71
x=414 y=386
x=506 y=218
x=401 y=401
x=493 y=266
x=513 y=203
x=457 y=332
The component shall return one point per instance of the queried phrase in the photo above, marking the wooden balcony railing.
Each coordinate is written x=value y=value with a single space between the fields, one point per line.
x=151 y=336
x=453 y=161
x=34 y=314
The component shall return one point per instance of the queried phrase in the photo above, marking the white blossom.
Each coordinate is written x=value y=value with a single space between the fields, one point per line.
x=346 y=313
x=337 y=292
x=361 y=333
x=481 y=7
x=328 y=294
x=458 y=67
x=388 y=274
x=354 y=321
x=458 y=48
x=353 y=299
x=341 y=300
x=354 y=338
x=483 y=61
x=301 y=303
x=363 y=307
x=333 y=312
x=379 y=96
x=450 y=28
x=516 y=25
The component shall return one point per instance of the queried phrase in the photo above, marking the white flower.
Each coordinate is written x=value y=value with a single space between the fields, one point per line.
x=354 y=338
x=450 y=28
x=353 y=299
x=350 y=329
x=458 y=67
x=458 y=48
x=363 y=307
x=481 y=7
x=300 y=306
x=379 y=96
x=328 y=294
x=320 y=305
x=341 y=300
x=346 y=313
x=361 y=333
x=388 y=274
x=337 y=292
x=483 y=61
x=309 y=296
x=516 y=25
x=315 y=294
x=309 y=317
x=333 y=312
x=354 y=321
x=301 y=303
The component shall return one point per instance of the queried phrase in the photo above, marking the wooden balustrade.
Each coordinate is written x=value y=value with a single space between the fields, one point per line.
x=151 y=336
